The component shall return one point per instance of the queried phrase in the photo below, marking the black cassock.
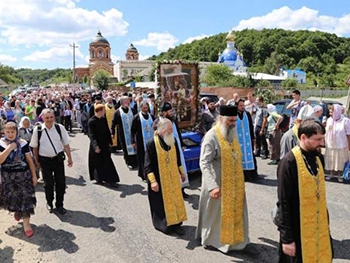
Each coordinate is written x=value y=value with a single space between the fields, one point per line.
x=156 y=198
x=130 y=160
x=289 y=202
x=101 y=166
x=137 y=137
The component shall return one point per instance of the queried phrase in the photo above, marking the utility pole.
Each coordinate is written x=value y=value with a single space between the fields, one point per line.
x=74 y=47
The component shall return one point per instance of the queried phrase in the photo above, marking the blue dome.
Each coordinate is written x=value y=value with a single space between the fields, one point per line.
x=229 y=54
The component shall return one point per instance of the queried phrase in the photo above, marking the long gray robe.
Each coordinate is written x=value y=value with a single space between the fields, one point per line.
x=209 y=220
x=288 y=141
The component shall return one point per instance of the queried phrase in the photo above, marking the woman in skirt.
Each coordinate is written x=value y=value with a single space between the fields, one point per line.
x=337 y=143
x=18 y=177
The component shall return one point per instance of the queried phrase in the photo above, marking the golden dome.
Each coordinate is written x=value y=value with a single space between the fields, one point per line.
x=230 y=36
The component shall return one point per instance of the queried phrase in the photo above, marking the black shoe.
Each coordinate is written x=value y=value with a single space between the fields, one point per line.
x=179 y=230
x=112 y=185
x=99 y=182
x=257 y=154
x=184 y=195
x=49 y=208
x=61 y=210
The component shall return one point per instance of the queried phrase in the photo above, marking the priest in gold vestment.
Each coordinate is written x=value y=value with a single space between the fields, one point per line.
x=165 y=173
x=223 y=213
x=304 y=221
x=110 y=110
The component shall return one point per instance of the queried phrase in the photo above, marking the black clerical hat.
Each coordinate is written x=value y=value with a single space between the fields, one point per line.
x=166 y=106
x=227 y=110
x=210 y=100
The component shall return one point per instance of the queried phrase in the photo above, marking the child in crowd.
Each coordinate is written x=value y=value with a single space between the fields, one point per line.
x=68 y=114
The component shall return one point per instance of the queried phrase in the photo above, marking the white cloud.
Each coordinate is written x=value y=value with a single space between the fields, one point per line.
x=115 y=58
x=52 y=22
x=163 y=41
x=303 y=18
x=7 y=58
x=59 y=53
x=191 y=39
x=144 y=57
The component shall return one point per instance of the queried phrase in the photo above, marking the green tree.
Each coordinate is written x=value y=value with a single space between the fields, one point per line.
x=101 y=79
x=289 y=83
x=268 y=93
x=263 y=83
x=217 y=73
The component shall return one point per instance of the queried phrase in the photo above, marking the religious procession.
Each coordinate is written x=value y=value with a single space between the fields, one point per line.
x=37 y=129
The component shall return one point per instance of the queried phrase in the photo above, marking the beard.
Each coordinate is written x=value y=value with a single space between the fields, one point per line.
x=228 y=132
x=169 y=139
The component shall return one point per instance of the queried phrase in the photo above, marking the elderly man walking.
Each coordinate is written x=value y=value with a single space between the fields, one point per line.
x=50 y=143
x=164 y=171
x=223 y=213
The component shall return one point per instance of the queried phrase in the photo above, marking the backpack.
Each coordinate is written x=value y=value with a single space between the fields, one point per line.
x=284 y=125
x=40 y=131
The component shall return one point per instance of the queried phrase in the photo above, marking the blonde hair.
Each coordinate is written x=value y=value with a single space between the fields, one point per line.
x=99 y=107
x=11 y=126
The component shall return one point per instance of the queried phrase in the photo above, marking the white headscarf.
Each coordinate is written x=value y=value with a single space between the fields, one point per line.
x=270 y=108
x=306 y=112
x=22 y=120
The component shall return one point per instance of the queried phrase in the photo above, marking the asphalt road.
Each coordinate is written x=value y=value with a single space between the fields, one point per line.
x=114 y=225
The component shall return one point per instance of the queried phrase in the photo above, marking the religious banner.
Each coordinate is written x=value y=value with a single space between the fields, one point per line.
x=178 y=85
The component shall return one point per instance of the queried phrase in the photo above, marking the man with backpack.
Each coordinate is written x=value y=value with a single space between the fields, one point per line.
x=274 y=133
x=50 y=143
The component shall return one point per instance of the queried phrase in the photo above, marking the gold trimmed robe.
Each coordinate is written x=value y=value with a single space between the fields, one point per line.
x=210 y=218
x=289 y=202
x=163 y=165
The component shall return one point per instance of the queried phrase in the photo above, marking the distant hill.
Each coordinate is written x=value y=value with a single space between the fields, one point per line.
x=324 y=56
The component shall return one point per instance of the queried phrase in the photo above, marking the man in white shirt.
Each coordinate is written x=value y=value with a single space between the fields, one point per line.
x=50 y=142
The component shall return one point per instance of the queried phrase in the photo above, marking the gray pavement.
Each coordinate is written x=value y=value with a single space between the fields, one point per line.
x=114 y=225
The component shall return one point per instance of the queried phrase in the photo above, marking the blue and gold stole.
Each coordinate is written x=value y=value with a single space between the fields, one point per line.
x=245 y=142
x=147 y=132
x=127 y=121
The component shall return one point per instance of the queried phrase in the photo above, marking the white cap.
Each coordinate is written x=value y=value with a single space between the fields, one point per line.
x=318 y=108
x=306 y=112
x=270 y=108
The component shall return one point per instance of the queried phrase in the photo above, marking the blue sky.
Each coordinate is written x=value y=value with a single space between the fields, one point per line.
x=37 y=33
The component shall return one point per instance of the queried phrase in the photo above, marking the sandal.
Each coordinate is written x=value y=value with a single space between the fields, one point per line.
x=29 y=232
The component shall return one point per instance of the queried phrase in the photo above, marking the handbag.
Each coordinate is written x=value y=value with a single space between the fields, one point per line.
x=346 y=173
x=61 y=156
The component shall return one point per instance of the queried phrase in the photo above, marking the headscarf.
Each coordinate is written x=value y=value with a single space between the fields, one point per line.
x=270 y=108
x=336 y=116
x=306 y=112
x=336 y=112
x=22 y=120
x=18 y=154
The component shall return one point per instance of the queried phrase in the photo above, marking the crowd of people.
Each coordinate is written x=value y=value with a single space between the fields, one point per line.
x=36 y=129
